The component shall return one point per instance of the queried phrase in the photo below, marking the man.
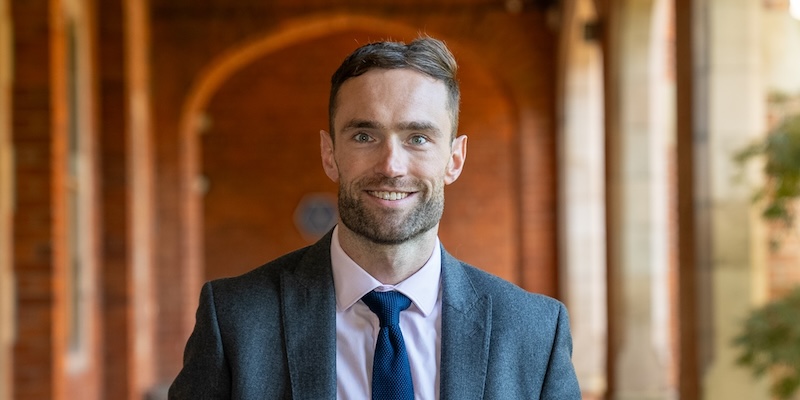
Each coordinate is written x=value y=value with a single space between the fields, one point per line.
x=377 y=308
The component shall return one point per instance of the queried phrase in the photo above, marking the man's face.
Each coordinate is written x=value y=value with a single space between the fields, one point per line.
x=393 y=154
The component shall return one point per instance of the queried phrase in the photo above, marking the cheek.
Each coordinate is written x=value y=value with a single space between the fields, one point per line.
x=435 y=167
x=349 y=176
x=353 y=166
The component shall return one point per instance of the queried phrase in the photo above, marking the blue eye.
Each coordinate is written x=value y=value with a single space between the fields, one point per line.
x=419 y=139
x=361 y=137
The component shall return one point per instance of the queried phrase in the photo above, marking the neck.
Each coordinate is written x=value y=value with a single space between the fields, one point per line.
x=389 y=264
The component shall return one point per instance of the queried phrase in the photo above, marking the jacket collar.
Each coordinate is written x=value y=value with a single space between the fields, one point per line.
x=311 y=336
x=466 y=326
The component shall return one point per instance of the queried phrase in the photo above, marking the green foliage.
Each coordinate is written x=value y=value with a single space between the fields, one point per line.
x=781 y=152
x=770 y=337
x=770 y=342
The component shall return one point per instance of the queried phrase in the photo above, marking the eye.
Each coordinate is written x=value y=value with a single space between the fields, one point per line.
x=361 y=137
x=418 y=140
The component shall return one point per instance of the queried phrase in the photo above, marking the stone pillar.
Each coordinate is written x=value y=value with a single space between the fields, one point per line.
x=736 y=117
x=581 y=176
x=642 y=361
x=781 y=60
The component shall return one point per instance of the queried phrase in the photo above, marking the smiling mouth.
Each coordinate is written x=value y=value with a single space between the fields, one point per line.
x=391 y=196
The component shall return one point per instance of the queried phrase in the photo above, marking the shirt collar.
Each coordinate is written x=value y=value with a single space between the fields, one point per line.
x=351 y=282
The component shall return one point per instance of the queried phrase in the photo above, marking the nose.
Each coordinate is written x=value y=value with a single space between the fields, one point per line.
x=393 y=159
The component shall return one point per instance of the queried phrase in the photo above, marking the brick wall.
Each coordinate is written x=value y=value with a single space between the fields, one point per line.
x=50 y=294
x=7 y=322
x=116 y=286
x=38 y=132
x=128 y=228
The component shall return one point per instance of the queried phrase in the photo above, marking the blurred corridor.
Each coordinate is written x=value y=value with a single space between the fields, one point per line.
x=148 y=146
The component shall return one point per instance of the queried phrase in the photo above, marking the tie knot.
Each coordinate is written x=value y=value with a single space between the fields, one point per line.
x=387 y=306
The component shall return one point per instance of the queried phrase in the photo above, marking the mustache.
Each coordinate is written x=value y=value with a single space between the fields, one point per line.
x=383 y=181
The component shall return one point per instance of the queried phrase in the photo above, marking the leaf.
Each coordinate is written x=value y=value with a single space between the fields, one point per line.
x=770 y=343
x=780 y=151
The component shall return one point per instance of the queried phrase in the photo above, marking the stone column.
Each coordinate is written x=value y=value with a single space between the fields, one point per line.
x=736 y=117
x=640 y=305
x=581 y=196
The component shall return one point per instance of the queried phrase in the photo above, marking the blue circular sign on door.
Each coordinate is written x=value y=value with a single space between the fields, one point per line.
x=316 y=215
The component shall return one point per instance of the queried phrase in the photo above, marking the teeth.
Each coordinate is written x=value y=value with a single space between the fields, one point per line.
x=390 y=195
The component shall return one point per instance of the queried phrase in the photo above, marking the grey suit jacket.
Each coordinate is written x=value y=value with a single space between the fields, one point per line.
x=271 y=334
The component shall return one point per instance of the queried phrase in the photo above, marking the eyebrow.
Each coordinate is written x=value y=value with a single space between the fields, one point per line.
x=362 y=124
x=421 y=126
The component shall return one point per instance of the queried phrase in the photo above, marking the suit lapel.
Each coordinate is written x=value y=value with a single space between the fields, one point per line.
x=309 y=320
x=311 y=335
x=466 y=326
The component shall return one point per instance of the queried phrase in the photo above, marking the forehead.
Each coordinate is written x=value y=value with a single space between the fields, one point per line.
x=391 y=97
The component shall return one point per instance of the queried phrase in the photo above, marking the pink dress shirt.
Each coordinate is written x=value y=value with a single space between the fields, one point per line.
x=357 y=327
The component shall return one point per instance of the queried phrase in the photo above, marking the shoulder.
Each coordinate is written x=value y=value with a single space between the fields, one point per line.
x=254 y=298
x=307 y=262
x=303 y=267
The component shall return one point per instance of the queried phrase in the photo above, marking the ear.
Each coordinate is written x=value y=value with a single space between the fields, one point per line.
x=458 y=156
x=328 y=161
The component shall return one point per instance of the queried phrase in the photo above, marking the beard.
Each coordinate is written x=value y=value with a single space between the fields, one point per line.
x=390 y=226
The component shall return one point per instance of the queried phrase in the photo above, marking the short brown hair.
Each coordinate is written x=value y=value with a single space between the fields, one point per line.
x=425 y=54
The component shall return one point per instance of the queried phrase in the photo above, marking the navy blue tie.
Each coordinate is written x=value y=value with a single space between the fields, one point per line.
x=391 y=373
